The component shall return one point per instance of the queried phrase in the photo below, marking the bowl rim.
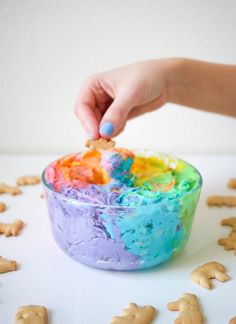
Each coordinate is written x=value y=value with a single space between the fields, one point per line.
x=76 y=202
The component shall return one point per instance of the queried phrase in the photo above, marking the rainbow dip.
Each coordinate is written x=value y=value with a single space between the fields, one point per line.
x=121 y=210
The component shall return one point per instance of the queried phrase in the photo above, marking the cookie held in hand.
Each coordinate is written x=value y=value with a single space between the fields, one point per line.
x=100 y=144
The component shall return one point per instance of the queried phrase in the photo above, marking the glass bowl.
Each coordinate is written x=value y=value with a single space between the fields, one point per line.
x=123 y=237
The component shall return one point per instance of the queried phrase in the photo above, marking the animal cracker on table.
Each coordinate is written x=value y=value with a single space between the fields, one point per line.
x=31 y=314
x=229 y=201
x=233 y=320
x=135 y=314
x=207 y=271
x=11 y=229
x=231 y=221
x=28 y=180
x=229 y=242
x=232 y=183
x=100 y=144
x=190 y=312
x=7 y=265
x=12 y=190
x=3 y=207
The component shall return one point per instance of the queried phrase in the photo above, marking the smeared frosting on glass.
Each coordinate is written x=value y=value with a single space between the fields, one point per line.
x=120 y=177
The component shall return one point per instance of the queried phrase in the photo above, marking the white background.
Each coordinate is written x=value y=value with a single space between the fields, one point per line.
x=47 y=48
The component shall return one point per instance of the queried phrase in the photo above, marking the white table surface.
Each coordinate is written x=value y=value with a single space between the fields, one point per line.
x=76 y=294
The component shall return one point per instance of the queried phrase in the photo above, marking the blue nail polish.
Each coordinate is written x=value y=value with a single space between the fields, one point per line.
x=107 y=129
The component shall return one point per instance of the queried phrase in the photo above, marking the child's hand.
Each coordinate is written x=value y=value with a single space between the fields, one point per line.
x=107 y=100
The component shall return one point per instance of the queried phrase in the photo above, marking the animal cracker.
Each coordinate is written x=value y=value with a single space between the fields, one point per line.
x=7 y=265
x=31 y=314
x=231 y=221
x=190 y=312
x=233 y=320
x=229 y=242
x=3 y=207
x=12 y=190
x=11 y=229
x=135 y=314
x=207 y=271
x=28 y=180
x=100 y=144
x=229 y=201
x=232 y=183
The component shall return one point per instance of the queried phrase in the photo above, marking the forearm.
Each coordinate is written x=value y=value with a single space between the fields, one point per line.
x=206 y=86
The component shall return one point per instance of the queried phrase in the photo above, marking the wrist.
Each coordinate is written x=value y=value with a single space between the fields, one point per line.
x=176 y=78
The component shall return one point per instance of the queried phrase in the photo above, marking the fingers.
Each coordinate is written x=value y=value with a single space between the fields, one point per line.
x=85 y=110
x=115 y=117
x=89 y=121
x=107 y=100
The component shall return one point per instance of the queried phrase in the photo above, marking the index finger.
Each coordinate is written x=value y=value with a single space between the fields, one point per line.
x=86 y=112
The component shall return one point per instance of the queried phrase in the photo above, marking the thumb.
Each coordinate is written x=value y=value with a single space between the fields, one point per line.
x=115 y=117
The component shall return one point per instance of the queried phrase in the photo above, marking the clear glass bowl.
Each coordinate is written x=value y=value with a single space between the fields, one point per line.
x=120 y=237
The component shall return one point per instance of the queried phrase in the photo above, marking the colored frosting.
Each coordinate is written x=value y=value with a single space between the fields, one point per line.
x=119 y=177
x=121 y=210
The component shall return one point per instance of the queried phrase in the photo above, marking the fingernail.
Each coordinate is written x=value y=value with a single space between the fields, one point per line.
x=107 y=129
